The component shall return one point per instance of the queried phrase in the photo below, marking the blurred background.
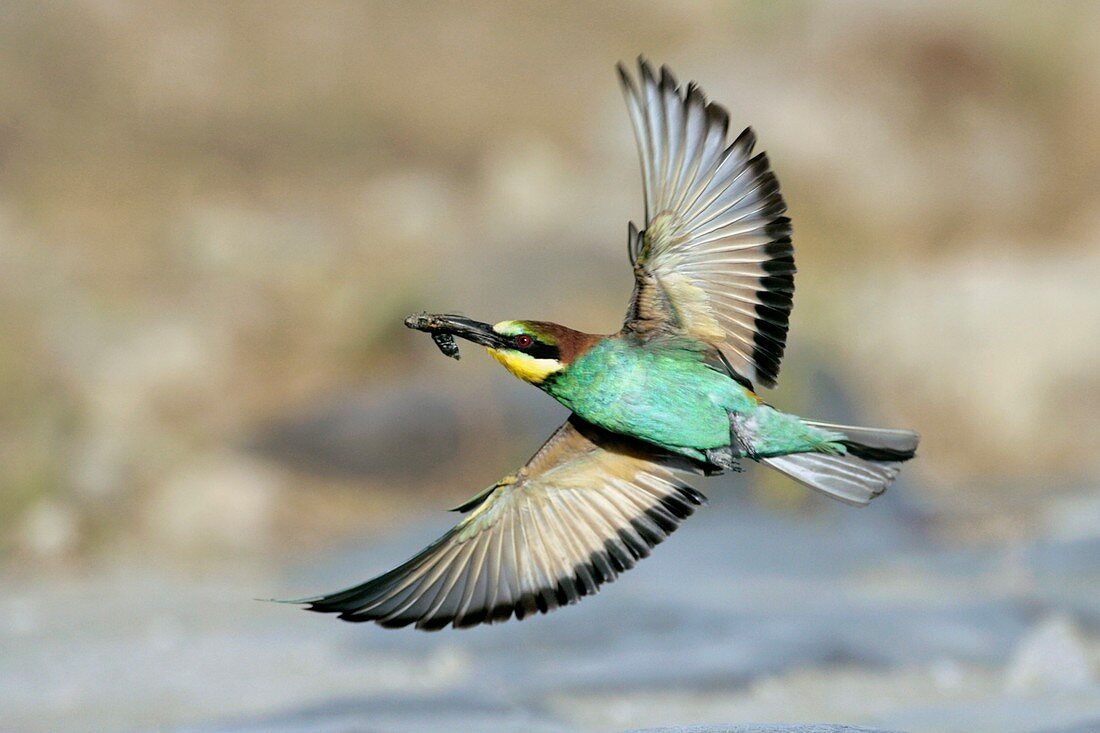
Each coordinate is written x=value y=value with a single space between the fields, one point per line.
x=214 y=216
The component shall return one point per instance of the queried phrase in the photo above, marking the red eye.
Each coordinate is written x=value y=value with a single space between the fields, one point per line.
x=523 y=341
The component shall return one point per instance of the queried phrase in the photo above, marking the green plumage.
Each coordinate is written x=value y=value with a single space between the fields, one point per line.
x=713 y=285
x=665 y=393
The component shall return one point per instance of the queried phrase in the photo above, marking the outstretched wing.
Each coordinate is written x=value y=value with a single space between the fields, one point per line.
x=715 y=260
x=586 y=507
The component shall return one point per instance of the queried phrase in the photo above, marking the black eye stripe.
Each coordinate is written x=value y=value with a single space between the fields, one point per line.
x=539 y=350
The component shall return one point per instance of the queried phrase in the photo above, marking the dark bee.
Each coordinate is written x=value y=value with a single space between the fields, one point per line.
x=435 y=325
x=446 y=344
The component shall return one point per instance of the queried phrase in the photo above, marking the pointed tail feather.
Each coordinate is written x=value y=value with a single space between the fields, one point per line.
x=873 y=459
x=884 y=444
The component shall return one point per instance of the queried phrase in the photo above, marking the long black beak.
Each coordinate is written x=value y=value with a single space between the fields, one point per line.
x=469 y=329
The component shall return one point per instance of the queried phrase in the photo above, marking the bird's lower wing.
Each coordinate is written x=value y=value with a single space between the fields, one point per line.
x=586 y=507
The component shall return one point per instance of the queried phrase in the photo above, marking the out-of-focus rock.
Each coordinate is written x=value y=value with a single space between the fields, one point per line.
x=410 y=206
x=930 y=329
x=1075 y=517
x=225 y=501
x=395 y=432
x=1051 y=658
x=49 y=529
x=410 y=433
x=527 y=183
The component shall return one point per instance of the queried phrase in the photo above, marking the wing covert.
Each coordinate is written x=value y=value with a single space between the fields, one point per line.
x=715 y=261
x=586 y=507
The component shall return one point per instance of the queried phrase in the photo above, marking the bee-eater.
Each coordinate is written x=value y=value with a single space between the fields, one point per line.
x=672 y=391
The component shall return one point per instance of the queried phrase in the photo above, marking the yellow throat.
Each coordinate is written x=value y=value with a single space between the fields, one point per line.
x=525 y=366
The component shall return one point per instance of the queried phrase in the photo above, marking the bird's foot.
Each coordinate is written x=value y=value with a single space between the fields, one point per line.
x=740 y=440
x=720 y=461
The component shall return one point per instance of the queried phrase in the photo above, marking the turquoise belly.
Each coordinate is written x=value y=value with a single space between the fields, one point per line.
x=667 y=397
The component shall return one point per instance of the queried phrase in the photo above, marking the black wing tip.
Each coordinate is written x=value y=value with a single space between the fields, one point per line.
x=776 y=299
x=884 y=455
x=477 y=500
x=746 y=139
x=665 y=80
x=692 y=495
x=625 y=73
x=718 y=116
x=782 y=266
x=626 y=81
x=332 y=603
x=618 y=554
x=585 y=581
x=668 y=80
x=324 y=605
x=289 y=601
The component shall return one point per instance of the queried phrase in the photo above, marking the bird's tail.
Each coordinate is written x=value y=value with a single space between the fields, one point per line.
x=872 y=460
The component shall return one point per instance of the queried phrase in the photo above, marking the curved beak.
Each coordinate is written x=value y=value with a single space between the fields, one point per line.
x=469 y=329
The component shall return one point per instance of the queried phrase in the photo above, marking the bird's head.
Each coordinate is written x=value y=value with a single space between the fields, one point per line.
x=531 y=350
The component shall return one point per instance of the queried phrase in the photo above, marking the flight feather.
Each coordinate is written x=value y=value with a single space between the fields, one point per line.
x=715 y=260
x=586 y=507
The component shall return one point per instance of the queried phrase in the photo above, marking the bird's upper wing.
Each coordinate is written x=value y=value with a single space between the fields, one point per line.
x=715 y=260
x=586 y=507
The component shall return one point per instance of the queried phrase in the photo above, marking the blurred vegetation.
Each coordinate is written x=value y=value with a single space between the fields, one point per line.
x=214 y=215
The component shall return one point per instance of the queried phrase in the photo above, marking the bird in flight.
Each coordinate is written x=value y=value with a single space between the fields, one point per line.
x=671 y=393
